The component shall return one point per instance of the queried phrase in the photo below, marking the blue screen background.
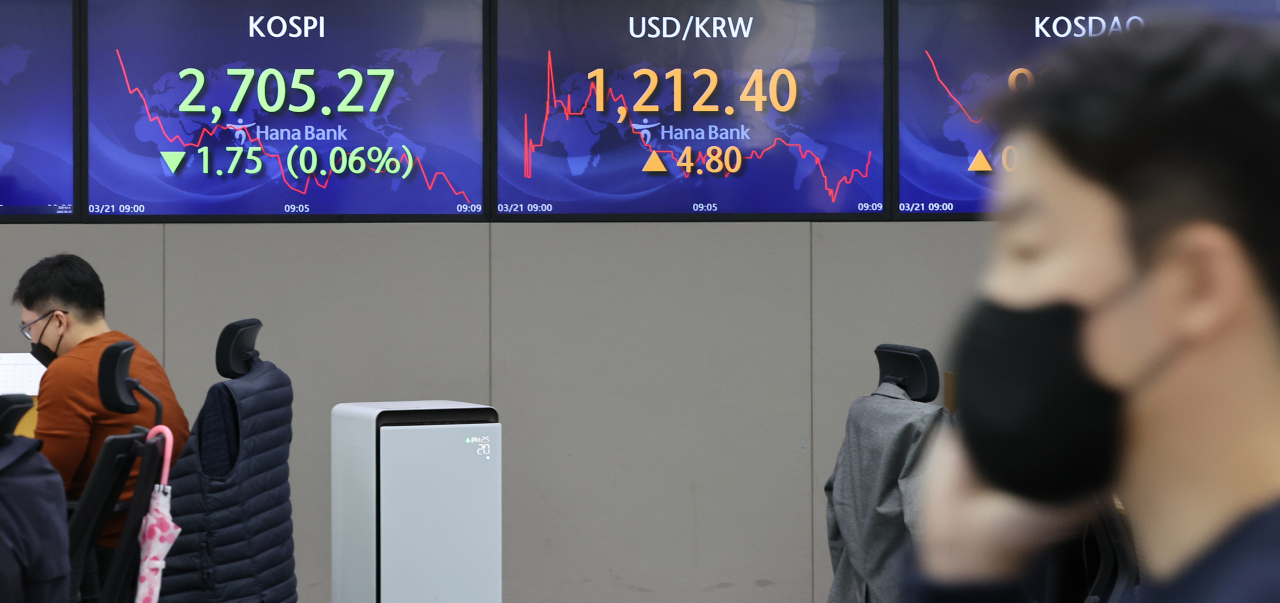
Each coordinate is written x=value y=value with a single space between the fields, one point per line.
x=36 y=120
x=827 y=151
x=434 y=106
x=975 y=46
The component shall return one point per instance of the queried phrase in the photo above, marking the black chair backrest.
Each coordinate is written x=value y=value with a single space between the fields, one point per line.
x=116 y=387
x=237 y=348
x=12 y=408
x=97 y=504
x=121 y=583
x=912 y=369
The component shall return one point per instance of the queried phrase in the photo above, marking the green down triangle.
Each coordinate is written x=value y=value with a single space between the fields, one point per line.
x=173 y=159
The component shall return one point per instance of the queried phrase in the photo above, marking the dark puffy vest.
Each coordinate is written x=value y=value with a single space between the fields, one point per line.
x=231 y=496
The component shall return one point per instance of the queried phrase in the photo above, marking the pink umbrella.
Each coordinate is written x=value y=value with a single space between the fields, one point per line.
x=158 y=530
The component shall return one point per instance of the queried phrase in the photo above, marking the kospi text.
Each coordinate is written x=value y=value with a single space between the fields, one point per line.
x=277 y=26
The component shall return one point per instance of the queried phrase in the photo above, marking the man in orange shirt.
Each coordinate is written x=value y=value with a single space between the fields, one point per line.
x=64 y=317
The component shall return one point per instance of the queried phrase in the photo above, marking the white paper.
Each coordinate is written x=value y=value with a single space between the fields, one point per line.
x=20 y=374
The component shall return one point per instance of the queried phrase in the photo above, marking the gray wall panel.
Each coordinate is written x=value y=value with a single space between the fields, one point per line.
x=872 y=284
x=128 y=258
x=654 y=384
x=657 y=381
x=353 y=312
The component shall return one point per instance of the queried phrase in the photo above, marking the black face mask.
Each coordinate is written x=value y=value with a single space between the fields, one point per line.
x=42 y=353
x=1033 y=419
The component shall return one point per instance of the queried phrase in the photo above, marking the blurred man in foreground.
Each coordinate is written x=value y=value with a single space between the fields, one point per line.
x=1128 y=339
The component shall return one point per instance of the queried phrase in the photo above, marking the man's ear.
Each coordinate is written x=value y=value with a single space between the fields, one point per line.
x=1212 y=275
x=65 y=321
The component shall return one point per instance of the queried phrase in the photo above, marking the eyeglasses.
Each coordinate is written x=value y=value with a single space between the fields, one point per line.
x=26 y=329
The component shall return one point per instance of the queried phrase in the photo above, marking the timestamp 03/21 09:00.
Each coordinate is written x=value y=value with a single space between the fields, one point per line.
x=925 y=207
x=121 y=209
x=528 y=208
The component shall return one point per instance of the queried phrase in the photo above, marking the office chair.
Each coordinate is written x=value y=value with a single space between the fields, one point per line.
x=100 y=499
x=121 y=582
x=234 y=467
x=912 y=369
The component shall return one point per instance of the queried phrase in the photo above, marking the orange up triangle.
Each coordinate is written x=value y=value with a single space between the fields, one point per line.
x=980 y=163
x=654 y=164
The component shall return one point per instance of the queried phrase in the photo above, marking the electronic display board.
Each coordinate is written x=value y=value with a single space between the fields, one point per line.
x=37 y=142
x=761 y=107
x=956 y=57
x=316 y=107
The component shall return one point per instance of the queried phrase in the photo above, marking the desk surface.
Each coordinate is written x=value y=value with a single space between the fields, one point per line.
x=20 y=374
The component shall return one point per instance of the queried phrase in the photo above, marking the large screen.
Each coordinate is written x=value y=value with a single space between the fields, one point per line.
x=701 y=107
x=244 y=107
x=957 y=57
x=36 y=108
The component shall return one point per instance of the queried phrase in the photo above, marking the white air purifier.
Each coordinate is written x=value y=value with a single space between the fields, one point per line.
x=417 y=502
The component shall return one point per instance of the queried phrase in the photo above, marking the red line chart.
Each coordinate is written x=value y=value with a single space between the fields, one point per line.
x=953 y=96
x=554 y=105
x=146 y=107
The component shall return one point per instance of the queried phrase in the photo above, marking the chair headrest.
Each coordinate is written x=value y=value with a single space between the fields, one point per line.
x=237 y=348
x=912 y=369
x=12 y=408
x=115 y=388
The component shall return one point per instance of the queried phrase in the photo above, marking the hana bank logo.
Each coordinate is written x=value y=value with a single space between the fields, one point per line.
x=643 y=128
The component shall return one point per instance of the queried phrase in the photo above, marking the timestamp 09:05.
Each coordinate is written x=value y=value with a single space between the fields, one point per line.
x=118 y=209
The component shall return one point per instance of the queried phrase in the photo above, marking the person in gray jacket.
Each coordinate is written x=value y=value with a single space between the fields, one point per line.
x=871 y=497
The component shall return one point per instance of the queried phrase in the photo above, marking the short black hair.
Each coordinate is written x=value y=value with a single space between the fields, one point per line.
x=1180 y=119
x=65 y=280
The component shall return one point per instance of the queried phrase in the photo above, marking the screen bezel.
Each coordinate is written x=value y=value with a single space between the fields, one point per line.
x=82 y=156
x=890 y=151
x=489 y=159
x=899 y=216
x=77 y=134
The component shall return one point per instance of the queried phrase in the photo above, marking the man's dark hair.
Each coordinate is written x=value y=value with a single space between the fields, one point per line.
x=1181 y=120
x=62 y=280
